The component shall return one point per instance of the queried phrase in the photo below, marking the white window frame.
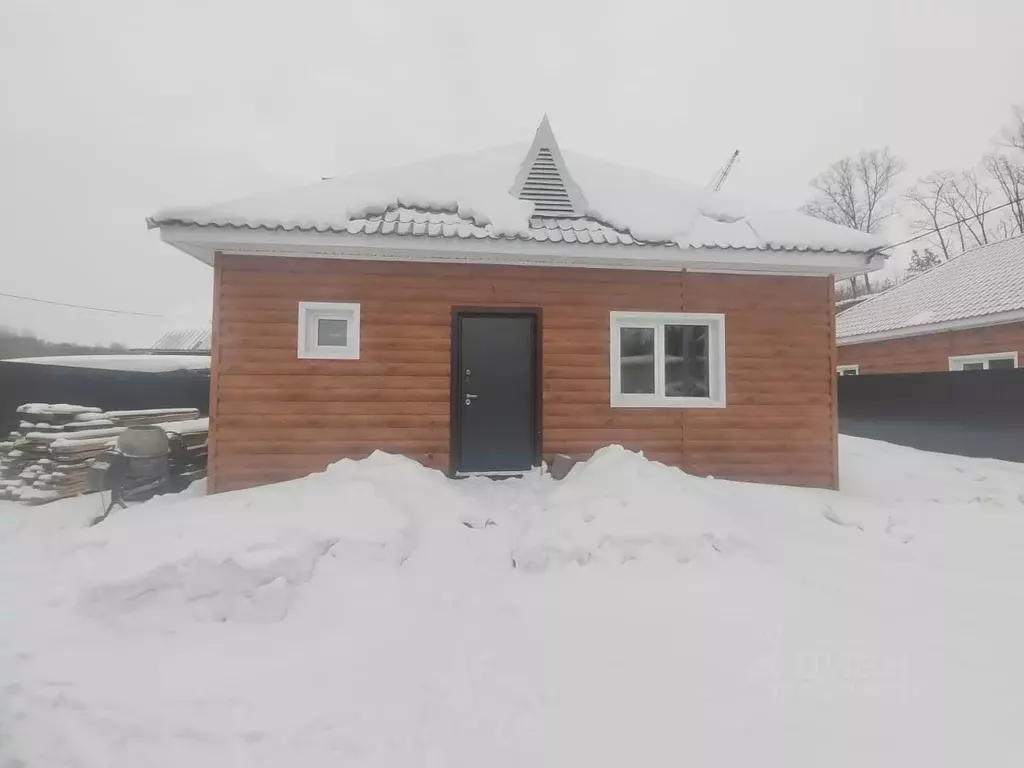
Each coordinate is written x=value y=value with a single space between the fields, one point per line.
x=846 y=370
x=957 y=362
x=658 y=321
x=310 y=313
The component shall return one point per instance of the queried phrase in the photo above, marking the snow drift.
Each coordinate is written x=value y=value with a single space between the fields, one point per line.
x=379 y=614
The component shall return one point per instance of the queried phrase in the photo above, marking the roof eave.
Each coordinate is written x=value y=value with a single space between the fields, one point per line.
x=202 y=242
x=977 y=321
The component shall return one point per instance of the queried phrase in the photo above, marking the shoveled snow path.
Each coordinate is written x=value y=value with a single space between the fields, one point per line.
x=380 y=615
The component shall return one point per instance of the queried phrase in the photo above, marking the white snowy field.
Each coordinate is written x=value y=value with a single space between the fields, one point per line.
x=379 y=614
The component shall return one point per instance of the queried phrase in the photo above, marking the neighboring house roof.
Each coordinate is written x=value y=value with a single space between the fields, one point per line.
x=983 y=286
x=844 y=304
x=186 y=340
x=525 y=198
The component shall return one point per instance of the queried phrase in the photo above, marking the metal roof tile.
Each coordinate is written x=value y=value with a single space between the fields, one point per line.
x=986 y=280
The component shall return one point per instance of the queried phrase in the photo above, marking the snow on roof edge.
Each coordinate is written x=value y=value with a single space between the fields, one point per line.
x=478 y=185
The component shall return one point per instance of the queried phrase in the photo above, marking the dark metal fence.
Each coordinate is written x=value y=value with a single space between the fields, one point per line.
x=969 y=413
x=110 y=390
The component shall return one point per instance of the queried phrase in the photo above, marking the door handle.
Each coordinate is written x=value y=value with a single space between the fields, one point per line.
x=470 y=398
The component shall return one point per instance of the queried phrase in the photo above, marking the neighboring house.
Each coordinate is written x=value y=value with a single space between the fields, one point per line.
x=190 y=340
x=482 y=312
x=964 y=314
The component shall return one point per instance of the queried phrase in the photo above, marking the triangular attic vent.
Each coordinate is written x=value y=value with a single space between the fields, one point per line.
x=545 y=181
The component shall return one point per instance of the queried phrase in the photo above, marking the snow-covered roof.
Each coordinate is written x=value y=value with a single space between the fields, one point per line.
x=142 y=363
x=984 y=286
x=495 y=194
x=186 y=340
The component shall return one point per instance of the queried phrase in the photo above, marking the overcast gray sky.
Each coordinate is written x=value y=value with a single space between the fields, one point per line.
x=112 y=109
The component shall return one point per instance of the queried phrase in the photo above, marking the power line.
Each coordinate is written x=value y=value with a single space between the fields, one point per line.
x=79 y=306
x=928 y=232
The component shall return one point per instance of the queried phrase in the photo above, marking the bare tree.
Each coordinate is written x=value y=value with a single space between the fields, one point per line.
x=1009 y=175
x=966 y=199
x=954 y=209
x=854 y=192
x=1013 y=134
x=928 y=195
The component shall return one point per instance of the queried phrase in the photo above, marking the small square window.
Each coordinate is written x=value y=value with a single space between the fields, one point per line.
x=331 y=332
x=667 y=360
x=328 y=330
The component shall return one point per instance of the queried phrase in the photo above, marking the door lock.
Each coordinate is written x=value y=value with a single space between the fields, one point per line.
x=470 y=398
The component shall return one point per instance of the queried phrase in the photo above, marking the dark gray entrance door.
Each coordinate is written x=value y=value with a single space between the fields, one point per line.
x=494 y=387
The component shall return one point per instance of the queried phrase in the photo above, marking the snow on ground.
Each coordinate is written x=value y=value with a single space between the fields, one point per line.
x=379 y=614
x=140 y=363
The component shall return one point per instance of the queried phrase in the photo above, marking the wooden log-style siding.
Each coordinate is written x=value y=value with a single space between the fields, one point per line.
x=920 y=354
x=277 y=417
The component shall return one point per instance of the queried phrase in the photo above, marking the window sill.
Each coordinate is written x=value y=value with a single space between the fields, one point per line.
x=653 y=401
x=328 y=354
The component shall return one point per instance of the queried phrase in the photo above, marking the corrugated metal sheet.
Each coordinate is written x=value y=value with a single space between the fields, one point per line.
x=985 y=281
x=186 y=340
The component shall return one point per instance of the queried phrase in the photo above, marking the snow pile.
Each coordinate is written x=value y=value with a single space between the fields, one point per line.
x=619 y=508
x=379 y=614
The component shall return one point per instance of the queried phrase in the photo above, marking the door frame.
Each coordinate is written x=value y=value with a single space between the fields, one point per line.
x=455 y=398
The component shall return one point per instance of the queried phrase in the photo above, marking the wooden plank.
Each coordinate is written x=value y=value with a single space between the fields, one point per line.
x=830 y=294
x=510 y=284
x=341 y=424
x=215 y=372
x=735 y=414
x=773 y=399
x=255 y=464
x=341 y=396
x=614 y=434
x=271 y=434
x=410 y=358
x=338 y=368
x=236 y=407
x=291 y=453
x=326 y=381
x=669 y=450
x=237 y=264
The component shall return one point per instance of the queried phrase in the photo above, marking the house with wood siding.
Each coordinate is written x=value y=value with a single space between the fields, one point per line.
x=964 y=314
x=483 y=312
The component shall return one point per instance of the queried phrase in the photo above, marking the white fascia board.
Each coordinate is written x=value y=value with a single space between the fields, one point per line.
x=203 y=242
x=981 y=321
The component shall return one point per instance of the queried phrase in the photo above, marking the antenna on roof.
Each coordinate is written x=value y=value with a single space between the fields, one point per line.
x=723 y=173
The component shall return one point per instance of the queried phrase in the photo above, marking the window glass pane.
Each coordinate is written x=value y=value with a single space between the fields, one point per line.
x=1001 y=362
x=686 y=361
x=973 y=367
x=636 y=360
x=331 y=332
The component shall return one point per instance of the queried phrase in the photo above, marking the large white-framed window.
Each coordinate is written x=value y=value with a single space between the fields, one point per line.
x=991 y=361
x=848 y=370
x=328 y=330
x=667 y=360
